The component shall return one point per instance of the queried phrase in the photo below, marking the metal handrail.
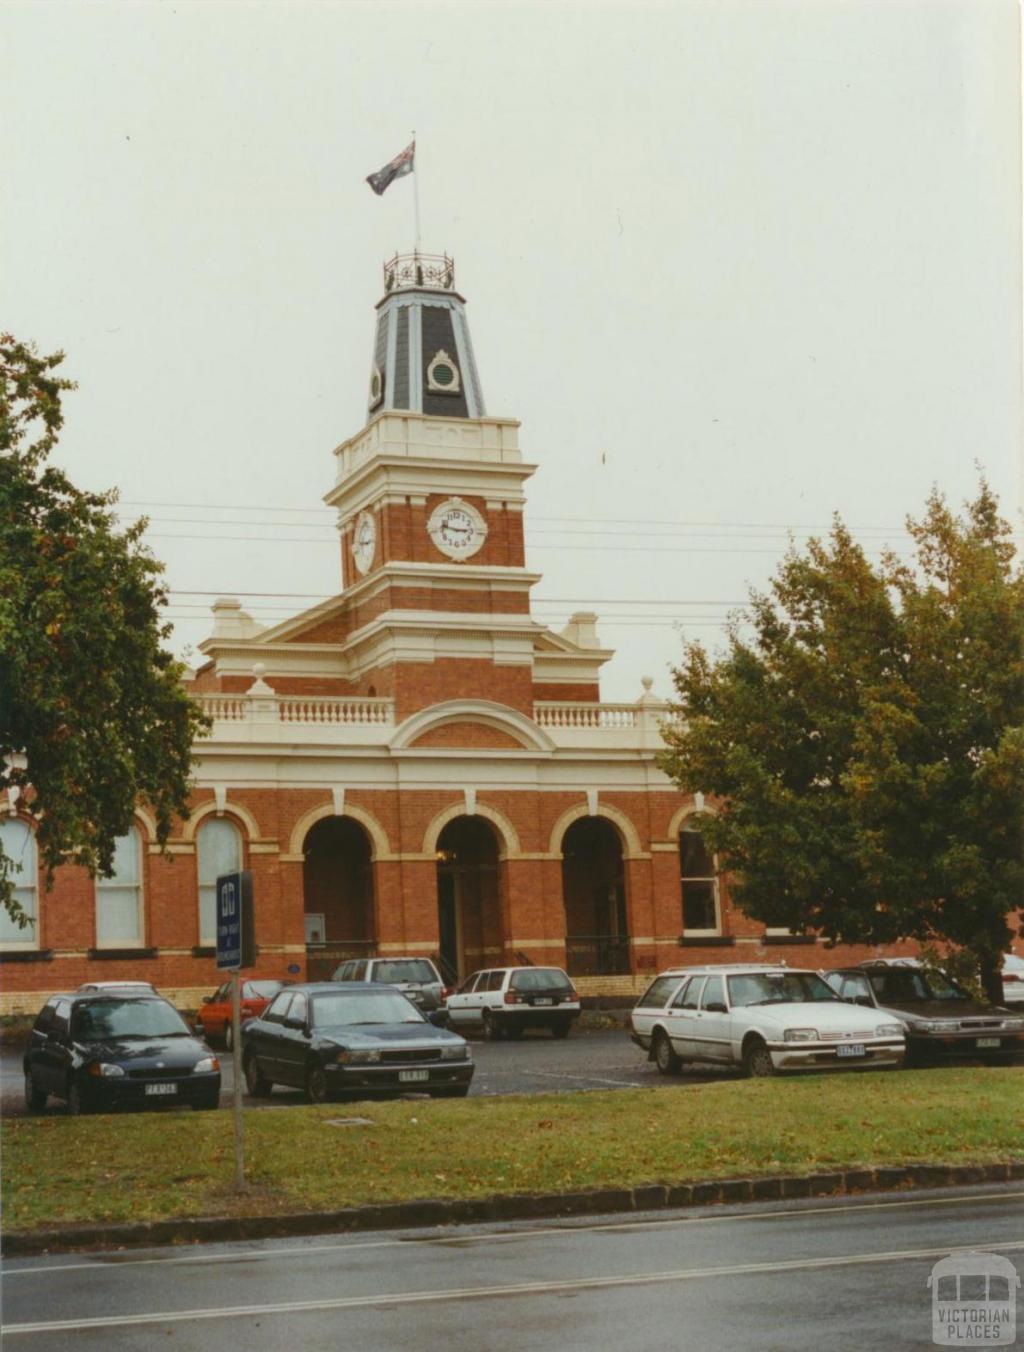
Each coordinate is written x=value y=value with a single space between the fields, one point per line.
x=419 y=269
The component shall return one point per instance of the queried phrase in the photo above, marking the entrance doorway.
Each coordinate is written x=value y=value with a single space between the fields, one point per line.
x=469 y=919
x=594 y=892
x=337 y=885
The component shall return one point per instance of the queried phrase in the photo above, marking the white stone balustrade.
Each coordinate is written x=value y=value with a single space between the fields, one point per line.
x=260 y=715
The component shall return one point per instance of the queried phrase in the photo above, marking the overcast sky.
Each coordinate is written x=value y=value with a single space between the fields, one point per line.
x=734 y=266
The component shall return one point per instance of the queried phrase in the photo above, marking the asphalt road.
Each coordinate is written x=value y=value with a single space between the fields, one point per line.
x=598 y=1059
x=826 y=1274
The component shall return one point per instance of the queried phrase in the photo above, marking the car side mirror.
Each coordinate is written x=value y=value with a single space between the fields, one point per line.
x=297 y=1024
x=207 y=999
x=439 y=1018
x=716 y=1007
x=864 y=1000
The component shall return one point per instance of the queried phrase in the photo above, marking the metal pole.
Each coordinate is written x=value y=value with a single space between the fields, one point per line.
x=236 y=1060
x=416 y=192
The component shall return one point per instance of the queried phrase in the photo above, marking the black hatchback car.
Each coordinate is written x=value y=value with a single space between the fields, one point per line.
x=100 y=1049
x=940 y=1019
x=356 y=1039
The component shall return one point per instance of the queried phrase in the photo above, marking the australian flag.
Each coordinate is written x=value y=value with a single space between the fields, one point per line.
x=397 y=168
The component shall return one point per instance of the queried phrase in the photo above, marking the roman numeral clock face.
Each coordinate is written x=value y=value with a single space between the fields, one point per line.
x=457 y=528
x=364 y=541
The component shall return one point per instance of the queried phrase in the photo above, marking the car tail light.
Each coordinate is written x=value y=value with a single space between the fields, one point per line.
x=513 y=998
x=446 y=991
x=1011 y=976
x=573 y=993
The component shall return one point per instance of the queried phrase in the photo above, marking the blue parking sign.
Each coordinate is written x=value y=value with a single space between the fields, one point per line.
x=235 y=947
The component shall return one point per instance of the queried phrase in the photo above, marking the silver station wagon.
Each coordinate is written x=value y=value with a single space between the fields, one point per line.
x=763 y=1018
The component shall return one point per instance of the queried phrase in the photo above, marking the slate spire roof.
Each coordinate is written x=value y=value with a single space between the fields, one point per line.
x=422 y=354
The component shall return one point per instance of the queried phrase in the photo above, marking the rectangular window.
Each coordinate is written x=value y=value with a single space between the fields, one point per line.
x=19 y=845
x=218 y=851
x=700 y=911
x=658 y=992
x=119 y=898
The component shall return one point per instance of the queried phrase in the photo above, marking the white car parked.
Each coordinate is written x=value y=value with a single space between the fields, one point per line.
x=506 y=1000
x=763 y=1018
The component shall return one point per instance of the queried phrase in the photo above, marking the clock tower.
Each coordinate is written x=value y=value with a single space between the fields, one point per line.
x=429 y=500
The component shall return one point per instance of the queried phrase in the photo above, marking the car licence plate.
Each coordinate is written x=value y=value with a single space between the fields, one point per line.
x=543 y=1000
x=161 y=1088
x=413 y=1076
x=850 y=1049
x=988 y=1042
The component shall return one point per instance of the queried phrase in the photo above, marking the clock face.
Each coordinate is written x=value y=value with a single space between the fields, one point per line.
x=364 y=541
x=457 y=529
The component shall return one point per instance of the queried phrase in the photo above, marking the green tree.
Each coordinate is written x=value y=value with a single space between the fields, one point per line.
x=93 y=718
x=863 y=731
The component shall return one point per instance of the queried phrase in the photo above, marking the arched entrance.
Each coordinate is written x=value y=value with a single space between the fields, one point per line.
x=468 y=897
x=337 y=888
x=594 y=892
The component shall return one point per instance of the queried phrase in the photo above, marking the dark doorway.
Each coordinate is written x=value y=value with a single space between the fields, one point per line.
x=594 y=892
x=469 y=919
x=337 y=883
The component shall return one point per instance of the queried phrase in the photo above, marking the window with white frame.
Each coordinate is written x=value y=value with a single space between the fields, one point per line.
x=119 y=921
x=698 y=883
x=218 y=850
x=19 y=845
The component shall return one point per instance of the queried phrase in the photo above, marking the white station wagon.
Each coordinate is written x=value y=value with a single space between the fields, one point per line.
x=762 y=1018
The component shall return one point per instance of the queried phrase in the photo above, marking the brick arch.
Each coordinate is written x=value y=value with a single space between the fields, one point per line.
x=676 y=824
x=508 y=836
x=380 y=846
x=241 y=815
x=632 y=848
x=521 y=730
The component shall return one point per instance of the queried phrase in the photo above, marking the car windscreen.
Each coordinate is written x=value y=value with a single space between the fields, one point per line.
x=774 y=988
x=539 y=979
x=908 y=983
x=339 y=1008
x=101 y=1020
x=400 y=970
x=262 y=990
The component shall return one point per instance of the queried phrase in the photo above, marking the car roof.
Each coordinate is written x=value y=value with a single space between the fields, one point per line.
x=116 y=986
x=729 y=967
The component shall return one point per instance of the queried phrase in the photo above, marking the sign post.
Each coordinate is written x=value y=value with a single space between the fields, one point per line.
x=236 y=949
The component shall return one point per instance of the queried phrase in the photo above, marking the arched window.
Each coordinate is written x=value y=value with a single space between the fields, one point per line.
x=19 y=845
x=218 y=850
x=119 y=898
x=699 y=885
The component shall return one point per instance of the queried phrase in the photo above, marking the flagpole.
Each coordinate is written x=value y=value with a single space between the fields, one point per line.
x=416 y=191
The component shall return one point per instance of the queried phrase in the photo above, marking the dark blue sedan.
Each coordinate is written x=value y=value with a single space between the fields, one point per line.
x=353 y=1039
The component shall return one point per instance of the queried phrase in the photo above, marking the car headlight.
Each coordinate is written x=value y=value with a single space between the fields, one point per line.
x=1013 y=1025
x=361 y=1057
x=103 y=1070
x=206 y=1065
x=800 y=1035
x=889 y=1030
x=455 y=1053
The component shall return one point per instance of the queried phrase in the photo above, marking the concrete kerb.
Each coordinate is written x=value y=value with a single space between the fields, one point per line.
x=433 y=1212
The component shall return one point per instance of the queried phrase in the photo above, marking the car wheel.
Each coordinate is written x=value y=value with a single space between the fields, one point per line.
x=316 y=1084
x=664 y=1057
x=229 y=1036
x=492 y=1029
x=257 y=1085
x=35 y=1099
x=757 y=1061
x=562 y=1028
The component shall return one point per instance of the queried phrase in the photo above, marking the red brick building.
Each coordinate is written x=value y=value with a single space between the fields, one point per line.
x=415 y=765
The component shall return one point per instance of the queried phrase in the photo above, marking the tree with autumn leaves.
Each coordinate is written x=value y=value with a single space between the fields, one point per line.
x=93 y=716
x=863 y=733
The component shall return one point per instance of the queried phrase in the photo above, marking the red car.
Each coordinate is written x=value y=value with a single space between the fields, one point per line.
x=214 y=1020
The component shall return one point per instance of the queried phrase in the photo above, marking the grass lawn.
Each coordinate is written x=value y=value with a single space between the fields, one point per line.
x=149 y=1166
